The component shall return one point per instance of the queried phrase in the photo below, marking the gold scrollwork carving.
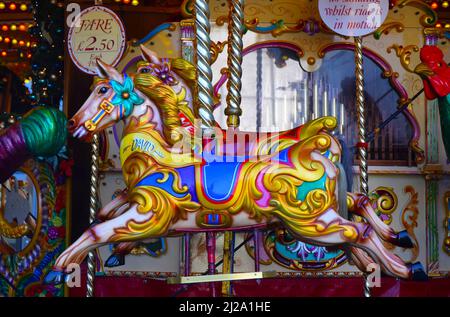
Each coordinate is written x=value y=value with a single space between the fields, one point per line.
x=220 y=218
x=409 y=219
x=216 y=49
x=385 y=201
x=404 y=53
x=446 y=245
x=276 y=27
x=427 y=19
x=385 y=28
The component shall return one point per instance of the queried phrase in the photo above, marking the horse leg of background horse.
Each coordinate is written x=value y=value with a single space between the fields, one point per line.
x=362 y=259
x=114 y=208
x=360 y=235
x=92 y=238
x=117 y=257
x=362 y=207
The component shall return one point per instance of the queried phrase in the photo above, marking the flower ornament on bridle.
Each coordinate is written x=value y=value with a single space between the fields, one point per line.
x=124 y=99
x=162 y=71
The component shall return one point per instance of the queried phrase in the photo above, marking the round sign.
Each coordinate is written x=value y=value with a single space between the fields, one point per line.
x=97 y=33
x=353 y=17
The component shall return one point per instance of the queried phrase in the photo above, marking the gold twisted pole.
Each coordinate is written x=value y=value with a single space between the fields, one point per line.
x=362 y=145
x=361 y=110
x=227 y=261
x=93 y=205
x=203 y=62
x=233 y=109
x=234 y=84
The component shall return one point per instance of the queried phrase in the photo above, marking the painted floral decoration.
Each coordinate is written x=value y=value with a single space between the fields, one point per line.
x=125 y=95
x=164 y=73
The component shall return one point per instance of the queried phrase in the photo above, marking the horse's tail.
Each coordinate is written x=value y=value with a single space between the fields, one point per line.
x=342 y=191
x=347 y=162
x=345 y=180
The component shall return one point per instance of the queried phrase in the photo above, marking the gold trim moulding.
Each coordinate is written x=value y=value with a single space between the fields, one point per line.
x=220 y=277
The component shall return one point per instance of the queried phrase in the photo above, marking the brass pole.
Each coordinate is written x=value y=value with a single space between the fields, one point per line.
x=362 y=145
x=203 y=62
x=234 y=84
x=93 y=205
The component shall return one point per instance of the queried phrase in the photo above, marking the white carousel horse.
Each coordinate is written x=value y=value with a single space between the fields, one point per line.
x=178 y=182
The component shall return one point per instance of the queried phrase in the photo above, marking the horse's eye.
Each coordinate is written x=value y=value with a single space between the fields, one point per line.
x=145 y=70
x=103 y=90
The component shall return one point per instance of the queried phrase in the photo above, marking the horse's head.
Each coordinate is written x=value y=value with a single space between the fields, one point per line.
x=176 y=73
x=113 y=98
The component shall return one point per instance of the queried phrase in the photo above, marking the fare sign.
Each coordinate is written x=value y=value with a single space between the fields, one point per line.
x=97 y=33
x=353 y=17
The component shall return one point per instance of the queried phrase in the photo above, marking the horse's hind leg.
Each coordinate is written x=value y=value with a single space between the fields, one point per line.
x=361 y=206
x=361 y=235
x=391 y=263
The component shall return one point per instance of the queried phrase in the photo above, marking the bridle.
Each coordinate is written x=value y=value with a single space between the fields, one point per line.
x=106 y=108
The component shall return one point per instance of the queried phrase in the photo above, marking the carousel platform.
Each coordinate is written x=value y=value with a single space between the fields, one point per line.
x=278 y=287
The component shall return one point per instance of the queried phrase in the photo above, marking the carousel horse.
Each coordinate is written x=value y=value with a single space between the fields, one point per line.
x=41 y=132
x=436 y=82
x=179 y=180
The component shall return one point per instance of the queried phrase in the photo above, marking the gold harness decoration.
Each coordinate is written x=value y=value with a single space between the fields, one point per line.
x=106 y=107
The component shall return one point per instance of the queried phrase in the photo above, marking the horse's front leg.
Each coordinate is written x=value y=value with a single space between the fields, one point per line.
x=92 y=238
x=362 y=206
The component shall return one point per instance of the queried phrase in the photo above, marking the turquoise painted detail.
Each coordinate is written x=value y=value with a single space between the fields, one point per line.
x=306 y=187
x=299 y=251
x=155 y=31
x=266 y=29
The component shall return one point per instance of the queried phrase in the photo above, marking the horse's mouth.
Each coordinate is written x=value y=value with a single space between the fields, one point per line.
x=81 y=133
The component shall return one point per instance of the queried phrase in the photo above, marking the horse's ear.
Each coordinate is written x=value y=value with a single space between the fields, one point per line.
x=149 y=55
x=107 y=72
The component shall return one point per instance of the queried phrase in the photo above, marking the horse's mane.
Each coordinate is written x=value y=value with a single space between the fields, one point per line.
x=165 y=97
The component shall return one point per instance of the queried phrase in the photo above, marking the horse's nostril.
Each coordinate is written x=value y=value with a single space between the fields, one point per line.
x=71 y=123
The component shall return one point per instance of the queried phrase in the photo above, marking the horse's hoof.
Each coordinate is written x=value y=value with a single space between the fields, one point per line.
x=115 y=260
x=403 y=240
x=417 y=272
x=54 y=278
x=154 y=248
